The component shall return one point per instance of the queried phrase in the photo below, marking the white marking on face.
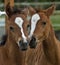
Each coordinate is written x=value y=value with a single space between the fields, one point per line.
x=19 y=21
x=34 y=21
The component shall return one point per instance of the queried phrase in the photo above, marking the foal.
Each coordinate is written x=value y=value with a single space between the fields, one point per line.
x=47 y=50
x=10 y=53
x=48 y=47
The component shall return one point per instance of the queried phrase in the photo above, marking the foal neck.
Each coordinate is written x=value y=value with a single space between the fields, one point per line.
x=50 y=46
x=51 y=37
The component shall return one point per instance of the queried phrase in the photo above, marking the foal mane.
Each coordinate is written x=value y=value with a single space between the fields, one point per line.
x=39 y=10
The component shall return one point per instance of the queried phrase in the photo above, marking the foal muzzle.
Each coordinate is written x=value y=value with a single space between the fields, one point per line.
x=33 y=42
x=23 y=45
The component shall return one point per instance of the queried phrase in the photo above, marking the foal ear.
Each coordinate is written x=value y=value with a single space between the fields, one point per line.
x=9 y=10
x=31 y=10
x=50 y=10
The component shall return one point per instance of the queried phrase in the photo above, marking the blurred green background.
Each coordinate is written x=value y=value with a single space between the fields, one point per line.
x=33 y=0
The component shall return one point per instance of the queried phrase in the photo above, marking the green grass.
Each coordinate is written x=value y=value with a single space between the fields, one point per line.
x=55 y=20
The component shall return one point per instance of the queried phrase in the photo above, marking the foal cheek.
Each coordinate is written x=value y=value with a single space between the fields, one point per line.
x=18 y=36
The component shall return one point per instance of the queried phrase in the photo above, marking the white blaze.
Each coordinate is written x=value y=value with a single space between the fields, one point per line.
x=34 y=21
x=19 y=21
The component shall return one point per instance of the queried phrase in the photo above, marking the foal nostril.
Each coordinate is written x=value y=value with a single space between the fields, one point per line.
x=23 y=45
x=33 y=38
x=33 y=42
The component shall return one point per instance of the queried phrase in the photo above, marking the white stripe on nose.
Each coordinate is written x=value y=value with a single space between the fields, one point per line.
x=34 y=21
x=19 y=21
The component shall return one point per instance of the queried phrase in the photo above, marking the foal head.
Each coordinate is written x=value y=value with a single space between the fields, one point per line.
x=17 y=26
x=40 y=24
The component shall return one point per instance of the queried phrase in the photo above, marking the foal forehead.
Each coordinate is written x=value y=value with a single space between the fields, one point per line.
x=42 y=15
x=36 y=17
x=19 y=21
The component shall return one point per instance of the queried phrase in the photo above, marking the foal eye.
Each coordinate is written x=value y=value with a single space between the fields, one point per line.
x=44 y=23
x=11 y=28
